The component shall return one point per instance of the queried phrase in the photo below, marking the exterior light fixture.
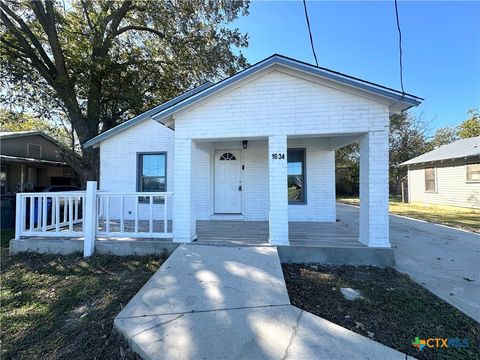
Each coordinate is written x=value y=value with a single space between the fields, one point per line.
x=244 y=144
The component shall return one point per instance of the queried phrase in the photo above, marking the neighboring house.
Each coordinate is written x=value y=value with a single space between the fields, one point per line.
x=257 y=146
x=30 y=161
x=449 y=175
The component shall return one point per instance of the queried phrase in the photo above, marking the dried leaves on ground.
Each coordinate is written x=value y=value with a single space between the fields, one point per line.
x=59 y=307
x=393 y=311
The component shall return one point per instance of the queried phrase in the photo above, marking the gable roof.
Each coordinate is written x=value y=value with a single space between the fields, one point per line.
x=459 y=149
x=16 y=134
x=402 y=101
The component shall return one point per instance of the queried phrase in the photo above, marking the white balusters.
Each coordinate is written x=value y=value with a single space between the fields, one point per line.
x=63 y=214
x=134 y=214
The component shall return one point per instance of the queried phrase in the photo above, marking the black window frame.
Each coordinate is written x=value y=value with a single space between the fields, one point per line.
x=304 y=176
x=434 y=179
x=145 y=200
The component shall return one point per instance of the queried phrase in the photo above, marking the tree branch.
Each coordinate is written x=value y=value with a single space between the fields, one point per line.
x=36 y=62
x=139 y=28
x=26 y=30
x=116 y=19
x=87 y=17
x=46 y=17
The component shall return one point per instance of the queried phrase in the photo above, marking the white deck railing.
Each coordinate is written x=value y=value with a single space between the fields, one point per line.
x=58 y=214
x=140 y=214
x=91 y=214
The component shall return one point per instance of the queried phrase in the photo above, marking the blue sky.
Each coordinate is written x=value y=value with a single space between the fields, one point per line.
x=441 y=46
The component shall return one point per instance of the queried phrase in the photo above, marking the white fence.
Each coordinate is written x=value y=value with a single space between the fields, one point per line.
x=115 y=220
x=50 y=214
x=91 y=214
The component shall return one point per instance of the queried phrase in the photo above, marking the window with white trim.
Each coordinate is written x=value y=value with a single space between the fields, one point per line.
x=473 y=172
x=430 y=179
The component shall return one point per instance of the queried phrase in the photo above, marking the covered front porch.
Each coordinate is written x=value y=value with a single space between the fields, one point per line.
x=277 y=190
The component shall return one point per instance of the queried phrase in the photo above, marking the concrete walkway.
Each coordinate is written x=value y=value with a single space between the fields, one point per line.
x=213 y=302
x=445 y=260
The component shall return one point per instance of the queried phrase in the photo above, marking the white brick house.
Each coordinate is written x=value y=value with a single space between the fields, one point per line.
x=258 y=146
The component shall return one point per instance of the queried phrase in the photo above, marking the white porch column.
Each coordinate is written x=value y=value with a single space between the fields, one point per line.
x=328 y=205
x=184 y=225
x=277 y=168
x=90 y=220
x=373 y=224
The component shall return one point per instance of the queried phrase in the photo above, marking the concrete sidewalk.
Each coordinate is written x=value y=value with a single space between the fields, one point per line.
x=443 y=259
x=213 y=302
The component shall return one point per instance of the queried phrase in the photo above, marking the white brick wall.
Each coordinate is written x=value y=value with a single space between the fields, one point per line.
x=276 y=105
x=118 y=164
x=320 y=186
x=320 y=178
x=279 y=103
x=277 y=170
x=373 y=224
x=184 y=222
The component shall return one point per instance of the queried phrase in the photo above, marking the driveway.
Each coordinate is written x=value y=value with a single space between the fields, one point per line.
x=227 y=302
x=445 y=260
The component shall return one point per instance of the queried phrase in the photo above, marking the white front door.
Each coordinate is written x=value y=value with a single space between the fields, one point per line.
x=228 y=182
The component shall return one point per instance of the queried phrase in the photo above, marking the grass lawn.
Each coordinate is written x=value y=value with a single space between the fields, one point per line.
x=394 y=309
x=62 y=307
x=462 y=218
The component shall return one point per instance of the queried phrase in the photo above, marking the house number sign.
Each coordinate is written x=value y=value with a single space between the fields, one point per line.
x=278 y=156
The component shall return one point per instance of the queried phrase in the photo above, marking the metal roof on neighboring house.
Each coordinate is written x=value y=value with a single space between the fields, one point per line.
x=459 y=149
x=401 y=100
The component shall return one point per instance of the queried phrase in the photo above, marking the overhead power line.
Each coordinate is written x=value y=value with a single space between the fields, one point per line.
x=399 y=45
x=309 y=31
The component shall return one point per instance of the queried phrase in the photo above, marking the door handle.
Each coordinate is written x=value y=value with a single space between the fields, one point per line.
x=239 y=187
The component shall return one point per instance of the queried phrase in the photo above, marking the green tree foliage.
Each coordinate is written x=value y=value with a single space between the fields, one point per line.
x=13 y=121
x=471 y=126
x=443 y=136
x=407 y=140
x=347 y=161
x=97 y=63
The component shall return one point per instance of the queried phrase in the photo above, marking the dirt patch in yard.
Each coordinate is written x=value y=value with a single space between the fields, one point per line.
x=62 y=307
x=394 y=309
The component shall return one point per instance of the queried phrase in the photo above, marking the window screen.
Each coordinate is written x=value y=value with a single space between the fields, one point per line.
x=429 y=179
x=473 y=172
